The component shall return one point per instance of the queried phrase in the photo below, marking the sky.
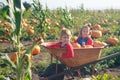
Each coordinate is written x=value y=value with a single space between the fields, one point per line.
x=88 y=4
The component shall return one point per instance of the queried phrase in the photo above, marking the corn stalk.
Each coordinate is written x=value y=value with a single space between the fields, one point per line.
x=22 y=66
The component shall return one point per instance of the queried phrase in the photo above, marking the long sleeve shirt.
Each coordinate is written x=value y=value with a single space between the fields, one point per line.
x=68 y=46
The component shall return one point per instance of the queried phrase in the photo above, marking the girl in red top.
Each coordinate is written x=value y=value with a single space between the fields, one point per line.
x=64 y=42
x=84 y=37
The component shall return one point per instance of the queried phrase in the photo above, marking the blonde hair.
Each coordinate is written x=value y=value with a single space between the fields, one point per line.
x=85 y=26
x=65 y=31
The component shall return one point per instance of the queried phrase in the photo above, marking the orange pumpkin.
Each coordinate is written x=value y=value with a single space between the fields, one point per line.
x=96 y=33
x=88 y=46
x=105 y=30
x=36 y=50
x=113 y=40
x=76 y=45
x=13 y=55
x=97 y=27
x=31 y=31
x=99 y=44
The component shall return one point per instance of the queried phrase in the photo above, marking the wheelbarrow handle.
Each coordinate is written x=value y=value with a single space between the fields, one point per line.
x=107 y=45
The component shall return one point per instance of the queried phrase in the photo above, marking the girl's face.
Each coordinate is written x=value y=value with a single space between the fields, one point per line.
x=85 y=32
x=65 y=39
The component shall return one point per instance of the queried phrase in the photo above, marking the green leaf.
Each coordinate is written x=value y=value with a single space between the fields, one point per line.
x=3 y=78
x=5 y=11
x=18 y=22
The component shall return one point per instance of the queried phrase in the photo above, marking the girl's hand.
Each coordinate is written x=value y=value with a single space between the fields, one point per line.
x=44 y=44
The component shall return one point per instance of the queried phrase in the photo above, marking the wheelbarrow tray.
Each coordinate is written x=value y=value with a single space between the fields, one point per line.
x=81 y=55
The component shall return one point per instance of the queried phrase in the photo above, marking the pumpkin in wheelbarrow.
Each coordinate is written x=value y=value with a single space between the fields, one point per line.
x=76 y=45
x=88 y=46
x=99 y=44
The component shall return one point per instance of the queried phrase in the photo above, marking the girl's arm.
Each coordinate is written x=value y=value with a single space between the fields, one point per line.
x=53 y=45
x=70 y=52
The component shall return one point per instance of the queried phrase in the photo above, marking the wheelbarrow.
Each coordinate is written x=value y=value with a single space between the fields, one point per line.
x=82 y=57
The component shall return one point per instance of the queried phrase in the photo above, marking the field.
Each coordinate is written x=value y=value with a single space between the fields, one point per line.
x=21 y=31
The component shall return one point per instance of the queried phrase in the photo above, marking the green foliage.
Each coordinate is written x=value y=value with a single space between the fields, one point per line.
x=103 y=77
x=3 y=78
x=40 y=14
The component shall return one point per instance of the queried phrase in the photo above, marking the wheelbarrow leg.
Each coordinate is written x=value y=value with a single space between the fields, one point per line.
x=51 y=58
x=70 y=73
x=93 y=69
x=56 y=66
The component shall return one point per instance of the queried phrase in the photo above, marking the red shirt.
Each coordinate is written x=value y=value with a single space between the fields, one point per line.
x=68 y=46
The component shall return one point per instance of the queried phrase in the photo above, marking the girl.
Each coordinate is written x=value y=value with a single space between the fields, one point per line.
x=84 y=37
x=64 y=42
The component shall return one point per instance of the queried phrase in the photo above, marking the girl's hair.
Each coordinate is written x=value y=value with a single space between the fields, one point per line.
x=85 y=26
x=65 y=31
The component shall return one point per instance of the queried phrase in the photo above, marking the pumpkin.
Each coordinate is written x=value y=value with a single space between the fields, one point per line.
x=31 y=31
x=36 y=50
x=112 y=40
x=13 y=55
x=97 y=27
x=88 y=46
x=105 y=30
x=99 y=44
x=96 y=33
x=76 y=45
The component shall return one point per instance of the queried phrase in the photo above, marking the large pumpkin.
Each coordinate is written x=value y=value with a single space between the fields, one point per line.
x=112 y=40
x=99 y=44
x=96 y=33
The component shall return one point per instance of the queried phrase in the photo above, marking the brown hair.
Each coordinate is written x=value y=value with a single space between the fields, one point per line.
x=65 y=31
x=85 y=26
